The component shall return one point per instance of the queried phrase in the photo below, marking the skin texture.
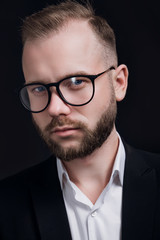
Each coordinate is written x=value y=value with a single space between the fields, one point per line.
x=76 y=50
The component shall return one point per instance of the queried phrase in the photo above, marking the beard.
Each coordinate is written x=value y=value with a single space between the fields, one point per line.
x=91 y=140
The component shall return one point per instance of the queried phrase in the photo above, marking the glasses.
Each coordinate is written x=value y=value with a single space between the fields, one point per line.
x=75 y=91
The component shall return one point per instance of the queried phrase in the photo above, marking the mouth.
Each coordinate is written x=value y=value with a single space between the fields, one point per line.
x=65 y=131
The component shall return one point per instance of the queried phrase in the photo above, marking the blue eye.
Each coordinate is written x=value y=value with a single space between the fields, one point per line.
x=77 y=81
x=39 y=89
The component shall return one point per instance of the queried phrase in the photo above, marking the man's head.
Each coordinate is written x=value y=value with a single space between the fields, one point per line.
x=69 y=40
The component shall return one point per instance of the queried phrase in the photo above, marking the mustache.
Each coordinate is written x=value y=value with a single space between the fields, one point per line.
x=63 y=121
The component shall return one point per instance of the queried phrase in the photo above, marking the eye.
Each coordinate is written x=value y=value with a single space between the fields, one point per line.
x=37 y=90
x=75 y=83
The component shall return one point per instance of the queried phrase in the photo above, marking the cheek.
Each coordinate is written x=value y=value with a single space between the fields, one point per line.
x=41 y=119
x=102 y=97
x=99 y=104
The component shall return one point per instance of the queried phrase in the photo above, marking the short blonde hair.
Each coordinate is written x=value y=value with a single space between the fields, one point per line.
x=54 y=17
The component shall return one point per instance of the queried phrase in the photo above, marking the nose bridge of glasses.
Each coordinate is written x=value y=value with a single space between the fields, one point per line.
x=53 y=88
x=56 y=104
x=50 y=85
x=54 y=91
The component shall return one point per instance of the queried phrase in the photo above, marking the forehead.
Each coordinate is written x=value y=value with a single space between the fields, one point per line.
x=77 y=32
x=74 y=46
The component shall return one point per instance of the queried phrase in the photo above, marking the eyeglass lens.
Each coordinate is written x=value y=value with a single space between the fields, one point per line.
x=75 y=90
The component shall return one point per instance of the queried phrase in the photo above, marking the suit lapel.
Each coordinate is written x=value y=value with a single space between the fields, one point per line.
x=48 y=203
x=139 y=197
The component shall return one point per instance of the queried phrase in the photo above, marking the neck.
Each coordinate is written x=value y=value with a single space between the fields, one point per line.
x=92 y=173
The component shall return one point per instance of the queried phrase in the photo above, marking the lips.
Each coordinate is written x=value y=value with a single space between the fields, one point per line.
x=64 y=131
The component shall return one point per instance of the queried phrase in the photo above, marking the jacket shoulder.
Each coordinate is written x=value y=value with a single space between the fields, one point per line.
x=151 y=159
x=30 y=174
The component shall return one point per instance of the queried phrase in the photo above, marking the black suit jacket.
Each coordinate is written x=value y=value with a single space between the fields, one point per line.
x=32 y=206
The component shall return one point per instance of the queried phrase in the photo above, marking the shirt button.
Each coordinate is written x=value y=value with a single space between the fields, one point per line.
x=94 y=214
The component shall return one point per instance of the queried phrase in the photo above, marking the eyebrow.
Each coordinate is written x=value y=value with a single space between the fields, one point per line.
x=74 y=74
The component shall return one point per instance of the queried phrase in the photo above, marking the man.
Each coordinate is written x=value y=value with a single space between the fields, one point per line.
x=94 y=186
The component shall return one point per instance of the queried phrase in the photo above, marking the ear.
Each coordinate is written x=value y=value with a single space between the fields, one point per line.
x=120 y=81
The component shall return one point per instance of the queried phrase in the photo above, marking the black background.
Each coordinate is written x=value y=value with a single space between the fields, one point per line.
x=136 y=25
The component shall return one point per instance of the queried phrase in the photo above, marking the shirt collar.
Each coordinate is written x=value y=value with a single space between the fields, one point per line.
x=119 y=161
x=117 y=168
x=61 y=172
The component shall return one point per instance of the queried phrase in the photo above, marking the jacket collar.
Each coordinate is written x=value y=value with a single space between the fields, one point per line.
x=48 y=203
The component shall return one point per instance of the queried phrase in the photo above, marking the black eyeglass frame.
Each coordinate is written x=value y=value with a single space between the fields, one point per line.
x=47 y=86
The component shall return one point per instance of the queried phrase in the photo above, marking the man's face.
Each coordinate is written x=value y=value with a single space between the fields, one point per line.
x=71 y=132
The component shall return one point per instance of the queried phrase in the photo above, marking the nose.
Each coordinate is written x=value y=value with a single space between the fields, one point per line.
x=57 y=106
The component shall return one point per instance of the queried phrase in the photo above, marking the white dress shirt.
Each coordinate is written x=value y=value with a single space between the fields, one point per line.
x=99 y=221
